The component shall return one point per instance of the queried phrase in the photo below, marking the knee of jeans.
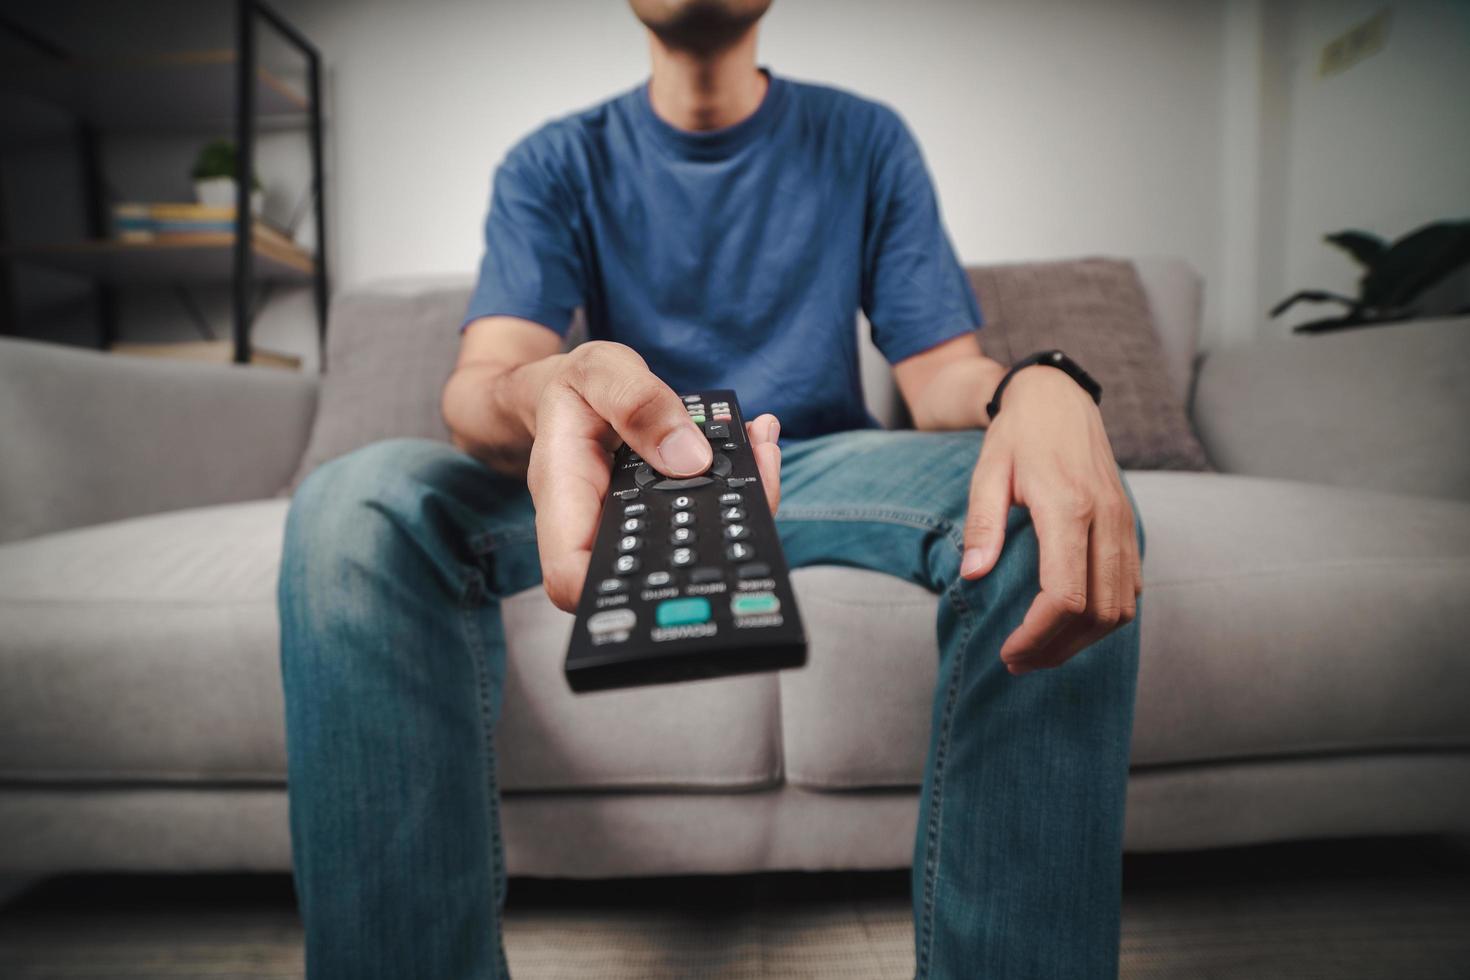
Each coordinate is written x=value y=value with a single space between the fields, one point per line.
x=344 y=510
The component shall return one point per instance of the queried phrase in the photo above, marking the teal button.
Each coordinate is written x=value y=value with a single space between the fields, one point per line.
x=682 y=612
x=754 y=604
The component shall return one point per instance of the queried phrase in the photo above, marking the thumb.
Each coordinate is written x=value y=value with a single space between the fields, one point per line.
x=985 y=525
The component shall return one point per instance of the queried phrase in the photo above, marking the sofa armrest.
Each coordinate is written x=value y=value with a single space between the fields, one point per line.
x=88 y=437
x=1385 y=408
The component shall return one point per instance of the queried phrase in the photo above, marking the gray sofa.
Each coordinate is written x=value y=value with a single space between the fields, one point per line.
x=1306 y=668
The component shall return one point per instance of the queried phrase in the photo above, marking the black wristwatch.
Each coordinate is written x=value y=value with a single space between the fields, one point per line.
x=1051 y=358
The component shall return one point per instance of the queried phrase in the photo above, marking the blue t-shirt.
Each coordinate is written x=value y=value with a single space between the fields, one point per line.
x=735 y=258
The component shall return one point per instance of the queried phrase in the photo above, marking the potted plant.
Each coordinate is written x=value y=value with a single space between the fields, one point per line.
x=1395 y=275
x=214 y=178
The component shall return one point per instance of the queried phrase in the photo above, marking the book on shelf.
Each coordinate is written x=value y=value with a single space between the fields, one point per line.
x=141 y=222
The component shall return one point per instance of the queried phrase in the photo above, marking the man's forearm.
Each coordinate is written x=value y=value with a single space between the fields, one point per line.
x=490 y=409
x=955 y=396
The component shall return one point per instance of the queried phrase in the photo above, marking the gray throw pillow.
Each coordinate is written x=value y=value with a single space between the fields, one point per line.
x=389 y=353
x=1096 y=311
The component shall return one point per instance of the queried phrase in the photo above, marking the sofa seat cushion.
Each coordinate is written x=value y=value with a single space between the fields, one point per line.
x=147 y=650
x=1279 y=619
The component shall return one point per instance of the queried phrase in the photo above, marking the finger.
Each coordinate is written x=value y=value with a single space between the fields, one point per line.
x=1062 y=540
x=985 y=522
x=568 y=478
x=1105 y=570
x=644 y=411
x=763 y=433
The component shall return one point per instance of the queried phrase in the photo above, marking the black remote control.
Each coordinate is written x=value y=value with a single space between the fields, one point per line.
x=687 y=578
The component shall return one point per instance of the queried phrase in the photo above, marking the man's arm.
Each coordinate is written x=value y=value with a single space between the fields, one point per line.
x=1046 y=451
x=522 y=408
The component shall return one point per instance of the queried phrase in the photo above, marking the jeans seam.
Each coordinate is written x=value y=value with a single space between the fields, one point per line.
x=474 y=595
x=935 y=824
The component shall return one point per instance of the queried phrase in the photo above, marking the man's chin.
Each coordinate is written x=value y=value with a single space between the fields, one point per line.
x=699 y=26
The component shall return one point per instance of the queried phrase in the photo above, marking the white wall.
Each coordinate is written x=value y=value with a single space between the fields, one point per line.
x=1053 y=128
x=1383 y=146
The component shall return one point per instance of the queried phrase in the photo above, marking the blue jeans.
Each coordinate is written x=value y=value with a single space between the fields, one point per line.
x=393 y=654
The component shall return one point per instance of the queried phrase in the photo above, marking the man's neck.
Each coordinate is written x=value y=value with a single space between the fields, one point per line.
x=700 y=92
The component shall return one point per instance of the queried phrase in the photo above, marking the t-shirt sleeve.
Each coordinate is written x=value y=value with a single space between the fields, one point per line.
x=914 y=291
x=532 y=267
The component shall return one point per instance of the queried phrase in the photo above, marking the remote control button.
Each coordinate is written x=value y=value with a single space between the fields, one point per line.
x=717 y=430
x=689 y=484
x=754 y=604
x=654 y=580
x=630 y=542
x=635 y=510
x=628 y=494
x=756 y=569
x=697 y=419
x=702 y=575
x=683 y=518
x=721 y=465
x=739 y=481
x=735 y=532
x=683 y=503
x=632 y=525
x=682 y=535
x=682 y=612
x=611 y=621
x=683 y=557
x=728 y=499
x=693 y=399
x=730 y=446
x=729 y=515
x=626 y=564
x=722 y=418
x=644 y=475
x=610 y=585
x=739 y=552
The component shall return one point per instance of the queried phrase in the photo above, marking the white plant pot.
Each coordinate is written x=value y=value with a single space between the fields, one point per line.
x=219 y=192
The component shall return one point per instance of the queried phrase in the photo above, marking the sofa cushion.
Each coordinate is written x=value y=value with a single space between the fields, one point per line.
x=1096 y=310
x=390 y=348
x=1279 y=619
x=146 y=650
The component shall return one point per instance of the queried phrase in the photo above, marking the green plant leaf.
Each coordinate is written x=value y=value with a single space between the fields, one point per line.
x=1363 y=246
x=1417 y=261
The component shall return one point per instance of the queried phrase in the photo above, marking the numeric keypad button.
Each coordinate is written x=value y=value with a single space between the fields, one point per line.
x=632 y=525
x=736 y=532
x=683 y=518
x=626 y=564
x=629 y=542
x=739 y=551
x=682 y=535
x=683 y=557
x=732 y=514
x=682 y=503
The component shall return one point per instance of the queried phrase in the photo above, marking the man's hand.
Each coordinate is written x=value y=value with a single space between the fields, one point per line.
x=1046 y=450
x=599 y=395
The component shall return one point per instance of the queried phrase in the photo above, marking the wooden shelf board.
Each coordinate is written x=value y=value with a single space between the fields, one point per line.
x=180 y=92
x=206 y=257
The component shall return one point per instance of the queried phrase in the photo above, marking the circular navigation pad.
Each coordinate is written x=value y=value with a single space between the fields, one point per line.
x=649 y=478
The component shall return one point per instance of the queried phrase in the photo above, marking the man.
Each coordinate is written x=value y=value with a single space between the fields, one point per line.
x=720 y=226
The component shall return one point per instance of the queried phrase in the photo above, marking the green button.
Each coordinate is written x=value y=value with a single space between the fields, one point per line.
x=697 y=419
x=682 y=612
x=754 y=604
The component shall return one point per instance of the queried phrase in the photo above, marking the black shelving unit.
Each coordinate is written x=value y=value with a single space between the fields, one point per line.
x=184 y=92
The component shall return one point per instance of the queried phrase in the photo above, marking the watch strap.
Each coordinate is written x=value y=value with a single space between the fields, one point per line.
x=1049 y=358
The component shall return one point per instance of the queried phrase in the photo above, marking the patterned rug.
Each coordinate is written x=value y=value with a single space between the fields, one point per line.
x=1341 y=911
